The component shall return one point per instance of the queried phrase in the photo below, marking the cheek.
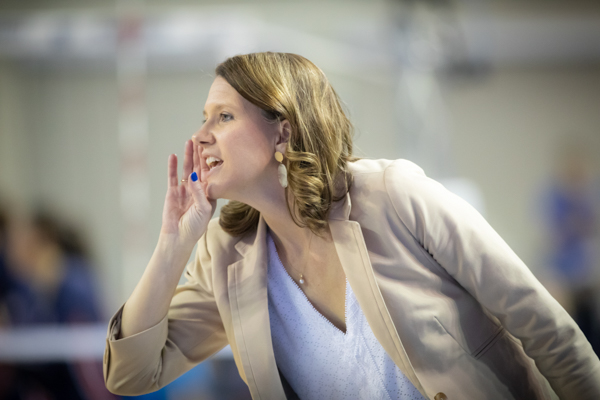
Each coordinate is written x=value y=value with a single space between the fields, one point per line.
x=252 y=153
x=251 y=165
x=256 y=160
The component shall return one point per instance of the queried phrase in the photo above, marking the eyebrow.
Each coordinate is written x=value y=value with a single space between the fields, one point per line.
x=216 y=106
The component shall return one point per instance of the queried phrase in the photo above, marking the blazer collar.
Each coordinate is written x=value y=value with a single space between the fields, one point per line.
x=340 y=211
x=247 y=286
x=249 y=302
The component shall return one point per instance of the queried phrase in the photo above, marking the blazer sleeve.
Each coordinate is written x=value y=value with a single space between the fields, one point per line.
x=191 y=332
x=465 y=245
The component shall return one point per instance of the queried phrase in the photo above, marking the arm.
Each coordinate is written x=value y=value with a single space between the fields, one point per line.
x=464 y=244
x=190 y=332
x=164 y=330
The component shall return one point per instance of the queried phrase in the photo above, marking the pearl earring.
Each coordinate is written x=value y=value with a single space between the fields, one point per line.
x=282 y=171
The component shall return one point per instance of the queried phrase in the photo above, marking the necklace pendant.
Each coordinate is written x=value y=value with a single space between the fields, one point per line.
x=301 y=280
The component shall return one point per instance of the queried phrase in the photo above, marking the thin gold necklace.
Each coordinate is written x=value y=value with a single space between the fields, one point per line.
x=301 y=280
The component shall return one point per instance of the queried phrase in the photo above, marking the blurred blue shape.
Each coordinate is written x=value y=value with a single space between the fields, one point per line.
x=158 y=395
x=194 y=384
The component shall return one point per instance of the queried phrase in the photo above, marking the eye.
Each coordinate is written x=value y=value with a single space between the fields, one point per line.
x=226 y=117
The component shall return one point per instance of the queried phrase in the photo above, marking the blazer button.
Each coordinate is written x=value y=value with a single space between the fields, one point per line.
x=440 y=396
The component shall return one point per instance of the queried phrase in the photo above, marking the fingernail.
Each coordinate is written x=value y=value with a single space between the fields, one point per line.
x=194 y=176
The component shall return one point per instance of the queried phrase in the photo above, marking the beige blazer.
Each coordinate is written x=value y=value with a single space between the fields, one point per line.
x=453 y=306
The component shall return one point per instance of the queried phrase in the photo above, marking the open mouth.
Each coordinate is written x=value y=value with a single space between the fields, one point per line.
x=213 y=163
x=216 y=167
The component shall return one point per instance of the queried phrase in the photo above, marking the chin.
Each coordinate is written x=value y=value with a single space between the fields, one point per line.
x=215 y=191
x=211 y=193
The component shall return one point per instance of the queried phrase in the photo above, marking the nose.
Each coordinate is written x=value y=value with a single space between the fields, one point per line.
x=195 y=139
x=203 y=136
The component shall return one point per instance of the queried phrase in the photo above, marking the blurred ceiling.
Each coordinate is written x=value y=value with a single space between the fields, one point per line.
x=349 y=37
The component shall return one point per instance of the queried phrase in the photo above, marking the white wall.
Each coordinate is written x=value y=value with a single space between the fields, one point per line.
x=15 y=171
x=507 y=129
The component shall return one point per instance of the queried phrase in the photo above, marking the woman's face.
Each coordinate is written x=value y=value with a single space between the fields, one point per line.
x=236 y=132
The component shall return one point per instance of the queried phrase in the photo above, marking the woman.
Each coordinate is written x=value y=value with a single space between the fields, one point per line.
x=437 y=306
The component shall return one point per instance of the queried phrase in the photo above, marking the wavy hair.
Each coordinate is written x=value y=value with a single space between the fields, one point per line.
x=289 y=87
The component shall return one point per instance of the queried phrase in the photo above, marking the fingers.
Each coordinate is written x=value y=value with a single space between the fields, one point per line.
x=196 y=159
x=188 y=158
x=203 y=167
x=173 y=181
x=197 y=188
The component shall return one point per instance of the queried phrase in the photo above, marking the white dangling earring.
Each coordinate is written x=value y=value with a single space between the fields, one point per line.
x=282 y=171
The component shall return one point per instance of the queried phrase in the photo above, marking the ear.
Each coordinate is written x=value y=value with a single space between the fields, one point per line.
x=283 y=136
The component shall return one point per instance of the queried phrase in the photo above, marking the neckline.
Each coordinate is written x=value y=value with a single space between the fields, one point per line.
x=305 y=297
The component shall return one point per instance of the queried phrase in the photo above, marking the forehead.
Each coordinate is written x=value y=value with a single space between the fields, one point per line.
x=222 y=94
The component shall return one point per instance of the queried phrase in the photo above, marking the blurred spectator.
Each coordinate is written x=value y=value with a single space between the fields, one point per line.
x=571 y=211
x=47 y=280
x=51 y=277
x=4 y=279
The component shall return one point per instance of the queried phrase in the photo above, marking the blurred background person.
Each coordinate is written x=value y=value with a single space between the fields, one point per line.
x=571 y=211
x=51 y=274
x=4 y=278
x=48 y=281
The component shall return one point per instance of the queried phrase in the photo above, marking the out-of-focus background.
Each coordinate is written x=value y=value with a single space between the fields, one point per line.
x=499 y=100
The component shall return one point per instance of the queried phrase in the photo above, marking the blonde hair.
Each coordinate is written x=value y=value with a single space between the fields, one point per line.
x=290 y=87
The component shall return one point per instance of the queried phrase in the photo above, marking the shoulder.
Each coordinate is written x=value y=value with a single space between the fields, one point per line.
x=368 y=166
x=394 y=178
x=427 y=208
x=407 y=184
x=394 y=169
x=385 y=184
x=218 y=246
x=215 y=248
x=214 y=232
x=419 y=201
x=216 y=240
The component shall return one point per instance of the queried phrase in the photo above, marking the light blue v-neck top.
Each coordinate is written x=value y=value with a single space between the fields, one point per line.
x=320 y=361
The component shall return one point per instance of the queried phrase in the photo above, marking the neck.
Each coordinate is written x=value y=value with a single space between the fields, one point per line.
x=271 y=203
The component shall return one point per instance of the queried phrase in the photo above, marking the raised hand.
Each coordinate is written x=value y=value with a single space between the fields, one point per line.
x=187 y=208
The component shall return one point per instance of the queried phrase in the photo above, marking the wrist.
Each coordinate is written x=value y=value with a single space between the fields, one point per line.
x=171 y=247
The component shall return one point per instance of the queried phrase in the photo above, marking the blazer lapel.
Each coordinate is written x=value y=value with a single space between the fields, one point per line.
x=247 y=283
x=353 y=254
